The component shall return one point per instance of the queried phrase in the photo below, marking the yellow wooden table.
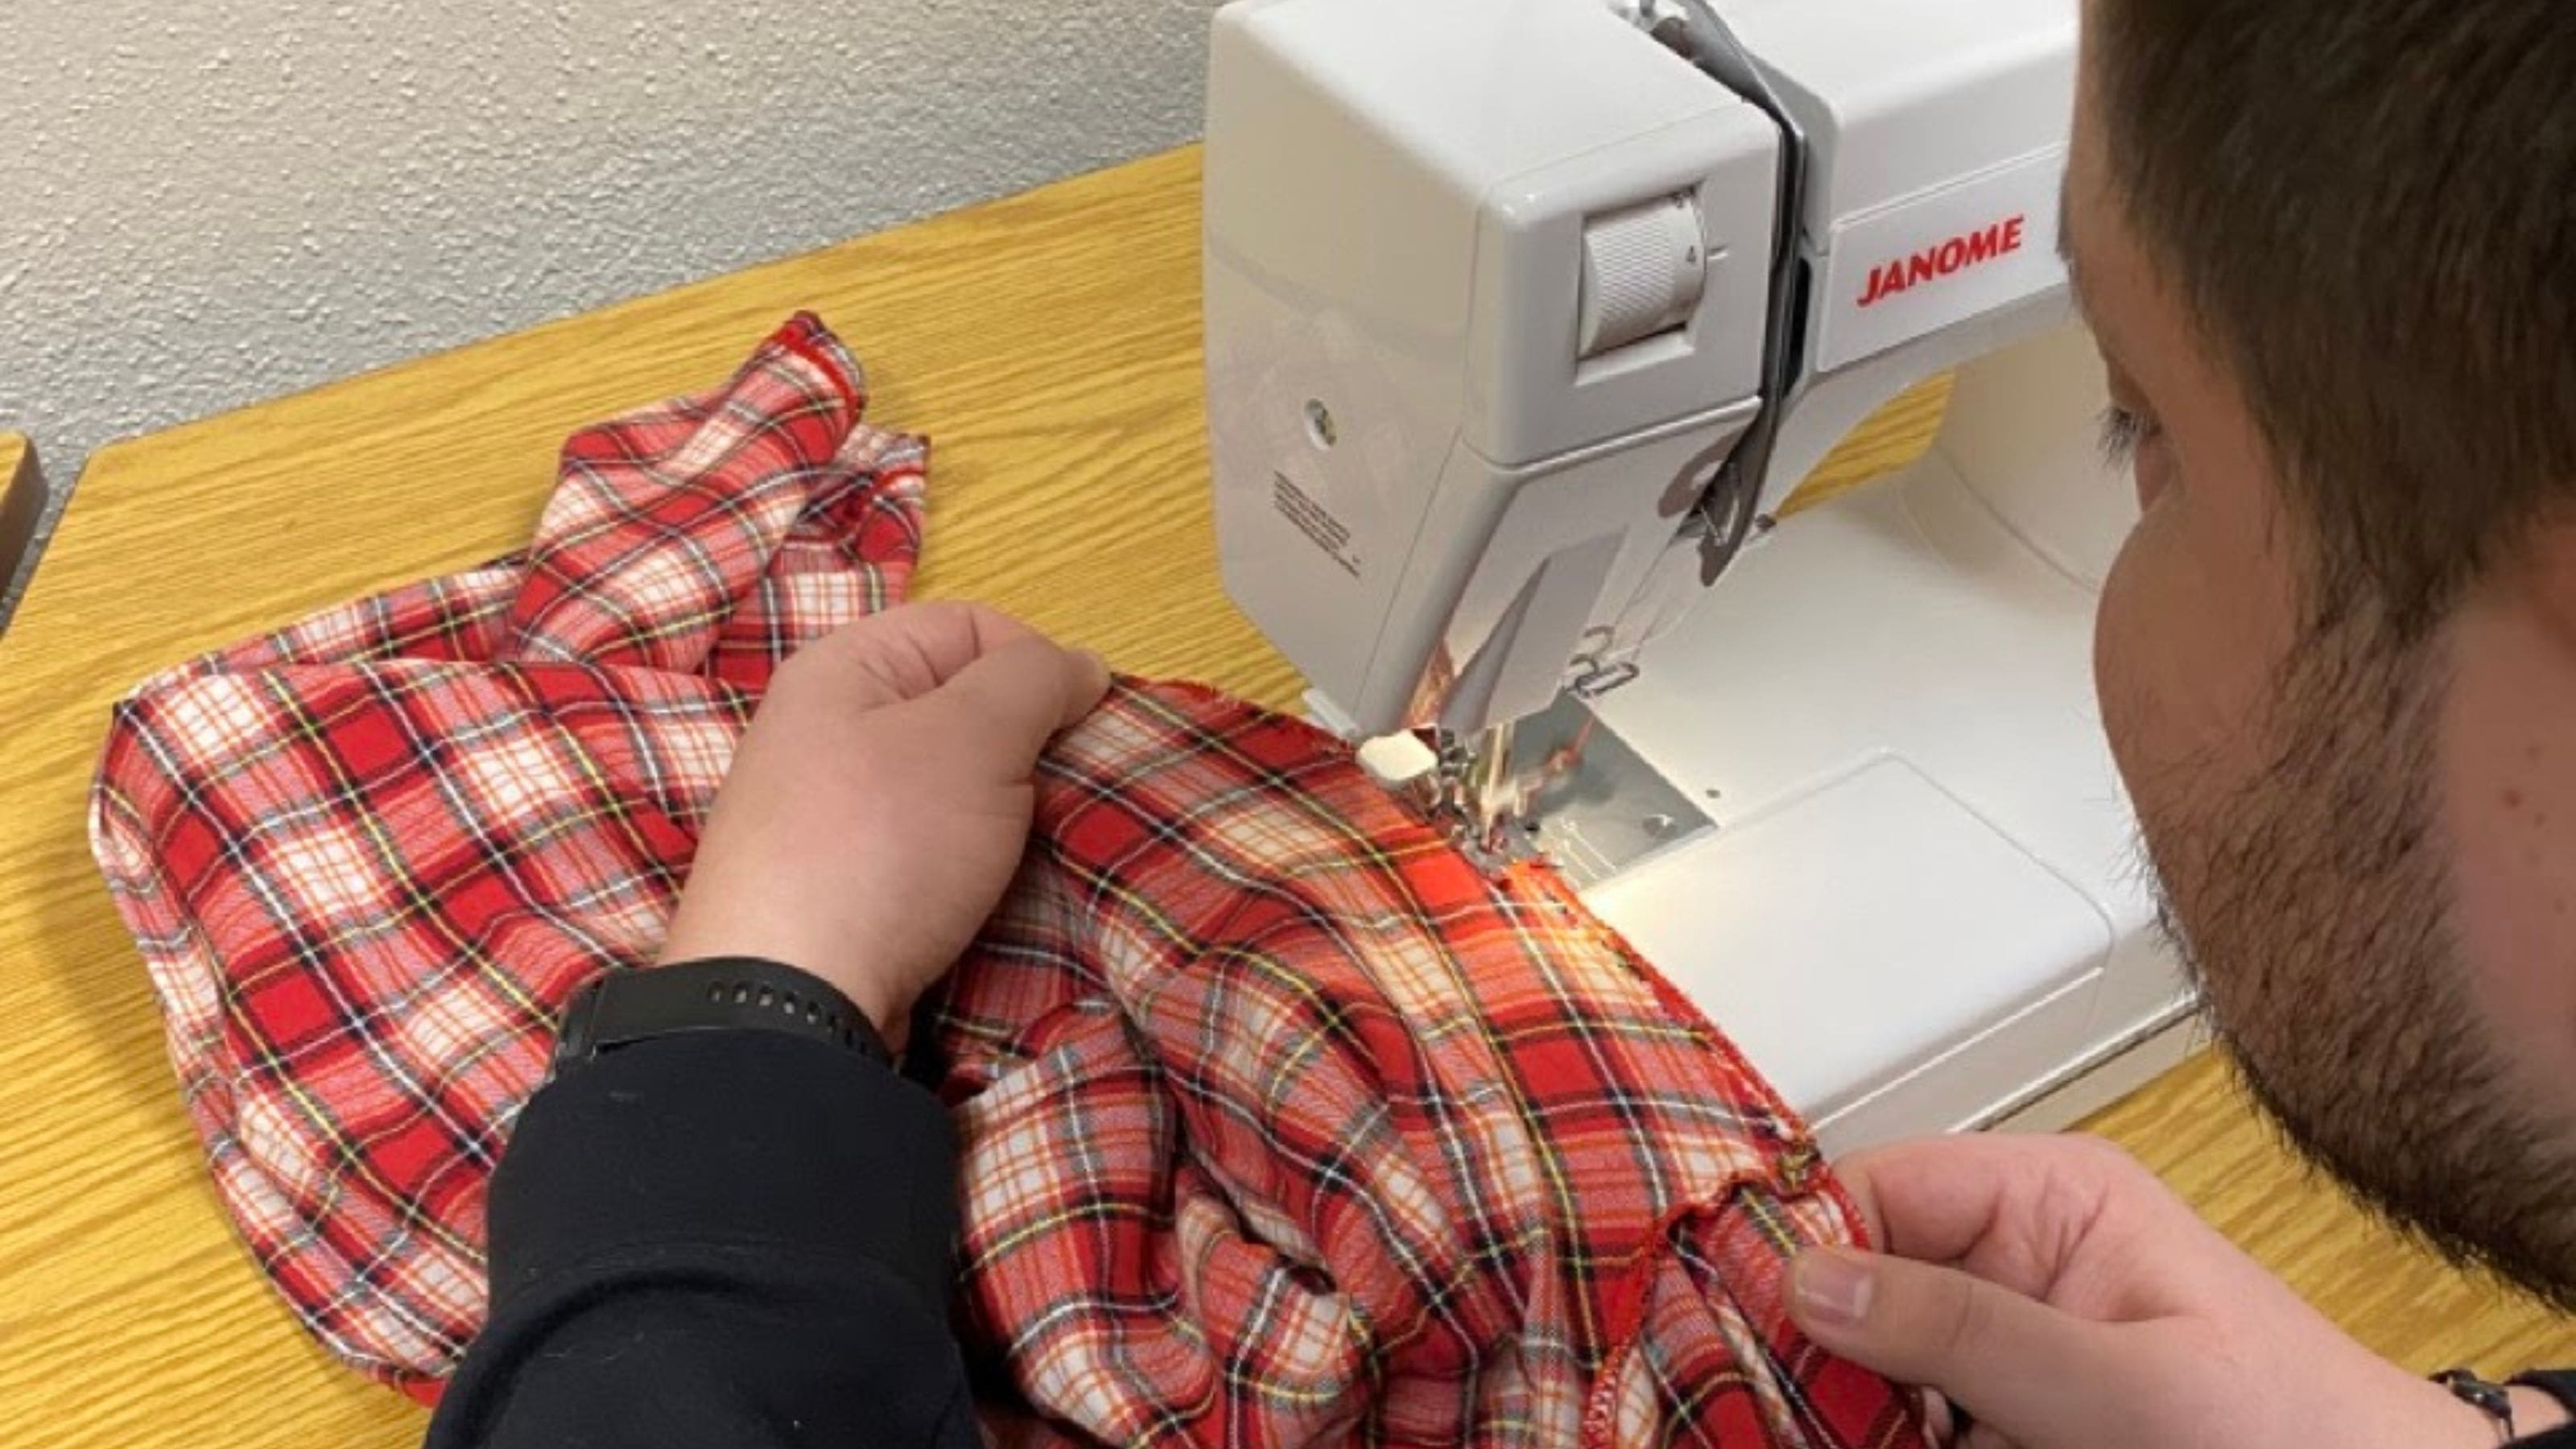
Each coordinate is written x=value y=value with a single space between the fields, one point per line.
x=1049 y=344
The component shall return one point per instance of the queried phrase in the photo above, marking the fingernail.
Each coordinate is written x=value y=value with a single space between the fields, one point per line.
x=1832 y=1286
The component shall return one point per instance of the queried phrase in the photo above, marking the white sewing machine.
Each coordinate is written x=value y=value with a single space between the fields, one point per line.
x=1523 y=318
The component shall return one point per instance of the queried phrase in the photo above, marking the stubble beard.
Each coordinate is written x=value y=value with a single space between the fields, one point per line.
x=2312 y=908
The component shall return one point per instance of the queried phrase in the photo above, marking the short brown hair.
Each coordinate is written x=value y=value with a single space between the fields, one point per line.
x=2369 y=206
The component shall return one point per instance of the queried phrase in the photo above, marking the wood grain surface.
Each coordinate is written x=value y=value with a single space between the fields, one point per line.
x=1049 y=344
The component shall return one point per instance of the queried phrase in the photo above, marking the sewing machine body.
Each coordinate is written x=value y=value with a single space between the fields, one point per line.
x=1521 y=326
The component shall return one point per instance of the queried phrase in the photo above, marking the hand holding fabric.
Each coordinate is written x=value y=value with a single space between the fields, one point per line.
x=880 y=801
x=2062 y=1295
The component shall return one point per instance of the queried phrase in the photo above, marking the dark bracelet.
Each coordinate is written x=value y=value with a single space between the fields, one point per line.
x=715 y=993
x=2487 y=1398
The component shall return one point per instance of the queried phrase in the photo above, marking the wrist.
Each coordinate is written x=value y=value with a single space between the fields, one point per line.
x=2535 y=1411
x=886 y=1005
x=727 y=989
x=2458 y=1422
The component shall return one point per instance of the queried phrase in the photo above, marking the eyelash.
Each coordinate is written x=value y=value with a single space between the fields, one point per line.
x=2123 y=433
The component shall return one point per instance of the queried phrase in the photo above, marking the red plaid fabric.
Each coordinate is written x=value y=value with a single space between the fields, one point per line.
x=368 y=857
x=1285 y=1125
x=1282 y=1124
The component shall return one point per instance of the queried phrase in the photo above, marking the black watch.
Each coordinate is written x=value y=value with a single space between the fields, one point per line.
x=717 y=993
x=2488 y=1399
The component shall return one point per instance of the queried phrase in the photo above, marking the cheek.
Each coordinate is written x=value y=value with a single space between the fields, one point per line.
x=2140 y=665
x=2185 y=649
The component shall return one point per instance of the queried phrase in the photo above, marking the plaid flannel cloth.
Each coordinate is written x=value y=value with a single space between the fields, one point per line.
x=1281 y=1123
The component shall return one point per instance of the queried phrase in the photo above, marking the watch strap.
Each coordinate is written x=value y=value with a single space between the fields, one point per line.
x=2487 y=1398
x=716 y=993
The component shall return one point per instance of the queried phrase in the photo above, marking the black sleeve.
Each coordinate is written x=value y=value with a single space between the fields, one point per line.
x=722 y=1238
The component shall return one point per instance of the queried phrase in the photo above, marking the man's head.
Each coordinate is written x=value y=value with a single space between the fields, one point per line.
x=2329 y=250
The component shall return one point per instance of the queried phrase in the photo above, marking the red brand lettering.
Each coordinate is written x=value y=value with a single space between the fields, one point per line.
x=1968 y=249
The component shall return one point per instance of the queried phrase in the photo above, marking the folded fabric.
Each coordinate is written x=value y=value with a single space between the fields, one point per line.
x=368 y=857
x=1282 y=1123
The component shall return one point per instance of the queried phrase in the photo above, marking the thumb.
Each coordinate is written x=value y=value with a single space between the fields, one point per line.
x=1017 y=694
x=2036 y=1375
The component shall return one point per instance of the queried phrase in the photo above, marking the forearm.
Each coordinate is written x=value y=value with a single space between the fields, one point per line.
x=729 y=1238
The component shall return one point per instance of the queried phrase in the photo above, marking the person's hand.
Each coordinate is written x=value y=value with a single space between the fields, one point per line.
x=2052 y=1288
x=880 y=801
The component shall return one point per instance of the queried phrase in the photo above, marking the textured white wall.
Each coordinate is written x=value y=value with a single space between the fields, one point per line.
x=208 y=202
